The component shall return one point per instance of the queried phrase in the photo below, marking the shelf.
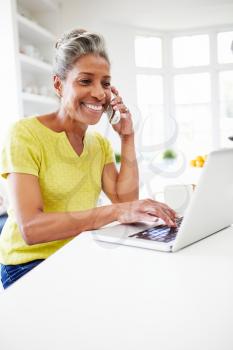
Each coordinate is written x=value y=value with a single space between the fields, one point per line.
x=27 y=97
x=40 y=6
x=33 y=31
x=34 y=64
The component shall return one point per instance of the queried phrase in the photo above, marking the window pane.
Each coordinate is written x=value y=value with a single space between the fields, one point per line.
x=148 y=52
x=191 y=51
x=150 y=103
x=192 y=88
x=225 y=54
x=194 y=125
x=149 y=89
x=226 y=107
x=151 y=132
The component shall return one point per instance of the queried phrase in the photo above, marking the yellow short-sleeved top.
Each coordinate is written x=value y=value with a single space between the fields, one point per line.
x=68 y=182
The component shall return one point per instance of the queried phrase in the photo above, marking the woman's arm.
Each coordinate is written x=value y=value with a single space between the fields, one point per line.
x=127 y=186
x=37 y=226
x=124 y=186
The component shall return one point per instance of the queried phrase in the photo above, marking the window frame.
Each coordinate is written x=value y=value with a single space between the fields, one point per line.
x=168 y=71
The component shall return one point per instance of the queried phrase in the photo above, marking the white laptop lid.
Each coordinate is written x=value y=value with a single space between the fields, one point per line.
x=211 y=207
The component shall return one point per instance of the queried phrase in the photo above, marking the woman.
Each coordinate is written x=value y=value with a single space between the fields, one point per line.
x=55 y=169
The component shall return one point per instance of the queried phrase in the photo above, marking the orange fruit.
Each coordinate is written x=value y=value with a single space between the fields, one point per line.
x=193 y=162
x=200 y=163
x=200 y=159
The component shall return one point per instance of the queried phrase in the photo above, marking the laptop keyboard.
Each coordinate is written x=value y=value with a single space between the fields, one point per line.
x=161 y=233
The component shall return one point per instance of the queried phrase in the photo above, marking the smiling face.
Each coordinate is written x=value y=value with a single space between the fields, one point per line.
x=86 y=91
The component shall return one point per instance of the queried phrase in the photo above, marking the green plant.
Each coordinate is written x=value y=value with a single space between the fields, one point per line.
x=169 y=154
x=118 y=157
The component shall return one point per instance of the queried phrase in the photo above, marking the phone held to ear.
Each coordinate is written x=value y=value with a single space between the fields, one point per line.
x=113 y=116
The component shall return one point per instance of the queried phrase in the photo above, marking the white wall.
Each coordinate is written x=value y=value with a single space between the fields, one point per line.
x=158 y=14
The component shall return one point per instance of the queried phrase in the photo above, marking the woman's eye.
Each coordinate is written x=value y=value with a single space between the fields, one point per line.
x=85 y=81
x=106 y=84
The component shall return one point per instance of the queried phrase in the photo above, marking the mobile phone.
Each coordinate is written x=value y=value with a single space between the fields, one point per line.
x=113 y=116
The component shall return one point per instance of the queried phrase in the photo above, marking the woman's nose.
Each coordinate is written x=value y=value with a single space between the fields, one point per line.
x=98 y=92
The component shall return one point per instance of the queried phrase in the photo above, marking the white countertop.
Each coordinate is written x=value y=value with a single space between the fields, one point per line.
x=96 y=296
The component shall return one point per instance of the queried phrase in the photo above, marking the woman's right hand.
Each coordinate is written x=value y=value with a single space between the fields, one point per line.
x=145 y=210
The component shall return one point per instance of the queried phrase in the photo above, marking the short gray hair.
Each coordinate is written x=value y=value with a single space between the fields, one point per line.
x=73 y=45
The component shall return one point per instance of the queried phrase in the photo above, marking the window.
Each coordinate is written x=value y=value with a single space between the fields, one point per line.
x=191 y=51
x=150 y=102
x=150 y=89
x=148 y=58
x=192 y=88
x=190 y=77
x=226 y=107
x=225 y=54
x=192 y=101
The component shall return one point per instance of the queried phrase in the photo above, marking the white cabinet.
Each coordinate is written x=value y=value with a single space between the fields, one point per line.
x=28 y=32
x=35 y=22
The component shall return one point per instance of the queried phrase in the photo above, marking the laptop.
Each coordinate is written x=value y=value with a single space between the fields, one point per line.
x=210 y=210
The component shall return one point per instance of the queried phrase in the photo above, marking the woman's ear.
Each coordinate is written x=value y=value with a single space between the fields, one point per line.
x=57 y=83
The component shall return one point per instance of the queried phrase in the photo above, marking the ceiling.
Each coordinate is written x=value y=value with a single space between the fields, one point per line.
x=159 y=14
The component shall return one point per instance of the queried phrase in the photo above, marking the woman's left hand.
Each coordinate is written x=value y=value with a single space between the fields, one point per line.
x=125 y=125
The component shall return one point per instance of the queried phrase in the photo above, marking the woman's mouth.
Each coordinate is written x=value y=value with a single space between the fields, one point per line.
x=93 y=107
